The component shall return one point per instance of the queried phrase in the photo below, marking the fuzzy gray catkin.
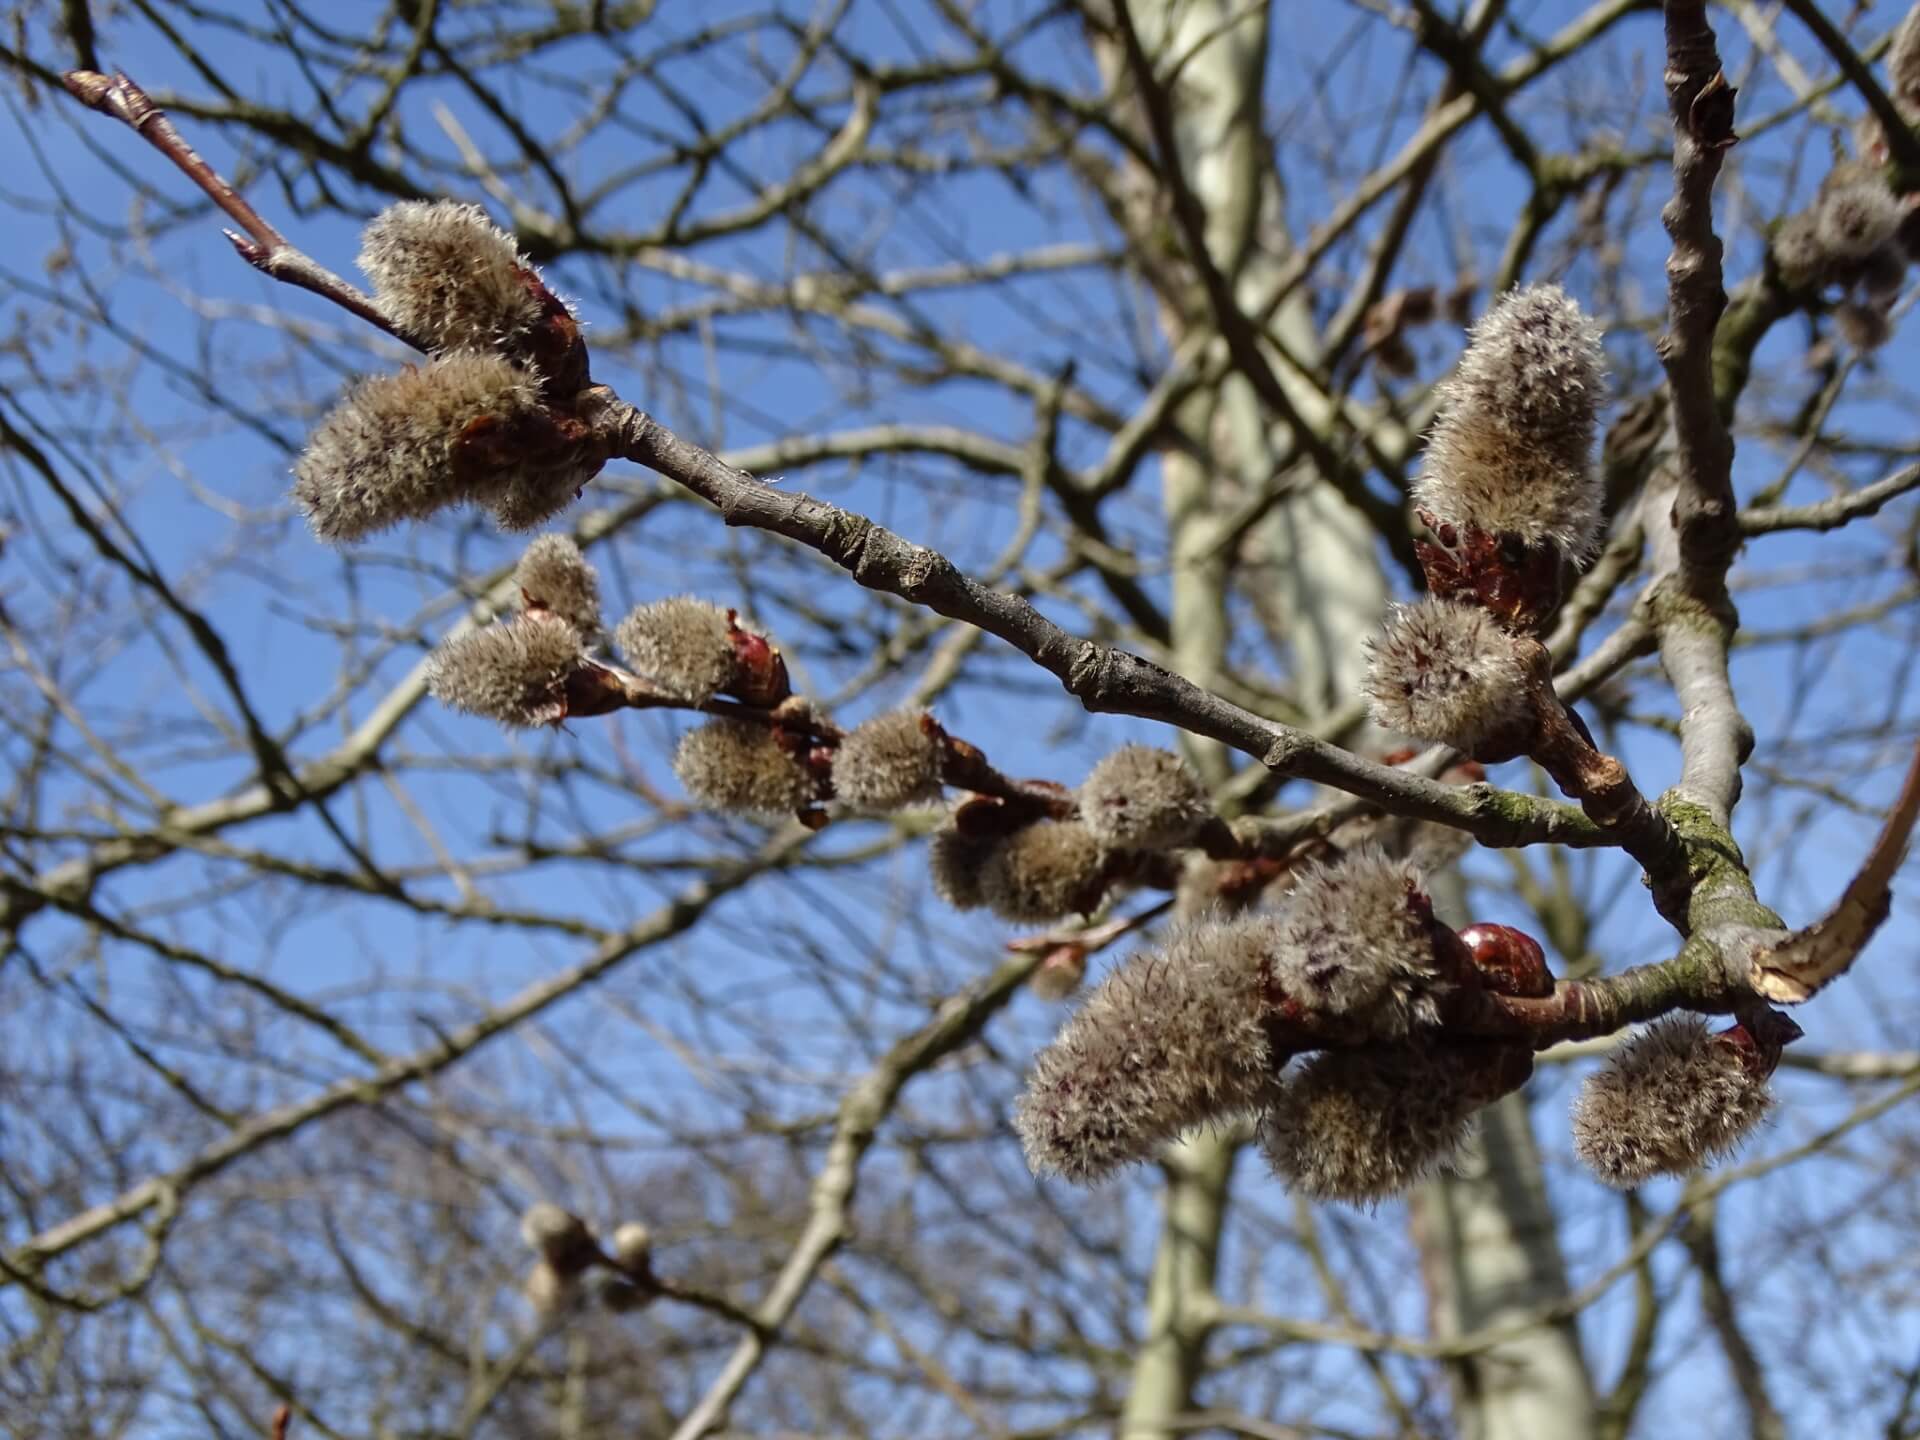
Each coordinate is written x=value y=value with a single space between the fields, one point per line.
x=514 y=671
x=1043 y=871
x=1798 y=250
x=1864 y=325
x=1355 y=941
x=386 y=452
x=1060 y=974
x=1672 y=1098
x=888 y=763
x=532 y=493
x=1903 y=65
x=1856 y=213
x=632 y=1246
x=554 y=575
x=957 y=864
x=551 y=1292
x=1511 y=452
x=1141 y=798
x=1362 y=1125
x=683 y=645
x=1170 y=1040
x=1445 y=670
x=448 y=276
x=739 y=766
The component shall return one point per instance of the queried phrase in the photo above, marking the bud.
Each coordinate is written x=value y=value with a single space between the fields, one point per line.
x=741 y=767
x=1140 y=798
x=1171 y=1039
x=890 y=762
x=1866 y=326
x=394 y=448
x=553 y=575
x=1060 y=974
x=1674 y=1097
x=1856 y=213
x=1508 y=961
x=1044 y=871
x=448 y=276
x=514 y=671
x=1355 y=943
x=1511 y=453
x=560 y=1239
x=1445 y=670
x=1362 y=1125
x=688 y=648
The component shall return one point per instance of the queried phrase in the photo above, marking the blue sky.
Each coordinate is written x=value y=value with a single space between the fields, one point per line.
x=195 y=486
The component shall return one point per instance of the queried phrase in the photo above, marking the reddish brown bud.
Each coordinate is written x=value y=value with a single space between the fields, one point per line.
x=1508 y=961
x=760 y=671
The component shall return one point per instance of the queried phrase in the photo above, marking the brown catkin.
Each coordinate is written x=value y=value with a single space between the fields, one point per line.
x=888 y=763
x=682 y=645
x=514 y=671
x=1140 y=798
x=1171 y=1039
x=1362 y=1125
x=1512 y=450
x=1445 y=670
x=739 y=767
x=1674 y=1097
x=554 y=575
x=448 y=275
x=386 y=452
x=1043 y=871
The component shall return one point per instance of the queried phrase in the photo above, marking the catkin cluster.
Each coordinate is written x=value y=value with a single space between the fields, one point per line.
x=1857 y=235
x=520 y=670
x=568 y=1253
x=1509 y=489
x=1030 y=867
x=474 y=424
x=1193 y=1033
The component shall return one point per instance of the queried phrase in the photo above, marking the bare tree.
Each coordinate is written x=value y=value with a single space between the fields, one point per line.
x=1012 y=480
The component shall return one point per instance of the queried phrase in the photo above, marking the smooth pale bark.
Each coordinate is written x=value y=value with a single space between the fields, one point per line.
x=1490 y=1252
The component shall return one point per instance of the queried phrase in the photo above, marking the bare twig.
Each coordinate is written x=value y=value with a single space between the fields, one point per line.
x=262 y=247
